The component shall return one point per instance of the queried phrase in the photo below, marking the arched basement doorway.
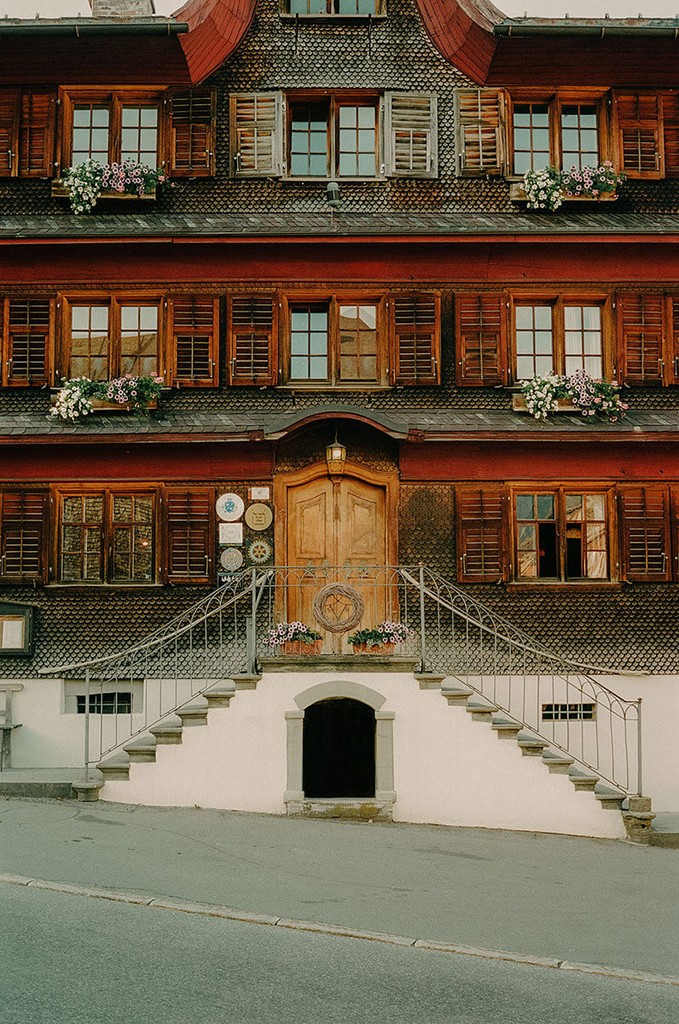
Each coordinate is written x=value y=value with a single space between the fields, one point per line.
x=338 y=749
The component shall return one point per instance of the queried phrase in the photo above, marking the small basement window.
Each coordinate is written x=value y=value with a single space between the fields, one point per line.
x=123 y=697
x=568 y=712
x=108 y=703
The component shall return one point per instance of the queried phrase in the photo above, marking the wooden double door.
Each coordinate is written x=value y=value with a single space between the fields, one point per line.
x=339 y=528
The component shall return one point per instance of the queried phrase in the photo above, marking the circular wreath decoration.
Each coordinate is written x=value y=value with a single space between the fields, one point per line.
x=335 y=597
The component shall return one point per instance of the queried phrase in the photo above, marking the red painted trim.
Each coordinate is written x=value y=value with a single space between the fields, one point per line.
x=567 y=460
x=120 y=462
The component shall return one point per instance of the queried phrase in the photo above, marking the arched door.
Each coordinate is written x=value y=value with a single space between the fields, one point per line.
x=338 y=749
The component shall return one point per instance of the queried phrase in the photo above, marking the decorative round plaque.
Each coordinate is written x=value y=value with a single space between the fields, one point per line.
x=259 y=551
x=231 y=559
x=229 y=507
x=338 y=607
x=259 y=517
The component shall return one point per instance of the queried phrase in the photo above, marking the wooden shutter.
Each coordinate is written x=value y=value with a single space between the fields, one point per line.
x=36 y=135
x=479 y=119
x=190 y=539
x=257 y=134
x=29 y=329
x=192 y=133
x=644 y=521
x=481 y=339
x=410 y=139
x=194 y=338
x=639 y=134
x=416 y=334
x=481 y=533
x=640 y=327
x=23 y=531
x=670 y=117
x=672 y=363
x=10 y=111
x=253 y=339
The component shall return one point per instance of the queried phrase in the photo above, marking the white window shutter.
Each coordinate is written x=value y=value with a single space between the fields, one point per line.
x=257 y=134
x=410 y=134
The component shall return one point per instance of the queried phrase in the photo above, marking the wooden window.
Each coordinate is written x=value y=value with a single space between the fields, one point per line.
x=670 y=119
x=107 y=537
x=309 y=341
x=256 y=134
x=23 y=536
x=335 y=340
x=481 y=530
x=480 y=125
x=410 y=135
x=333 y=136
x=189 y=532
x=309 y=139
x=561 y=535
x=107 y=337
x=253 y=340
x=561 y=334
x=358 y=341
x=579 y=135
x=563 y=129
x=27 y=325
x=481 y=333
x=639 y=136
x=640 y=328
x=111 y=126
x=531 y=137
x=191 y=132
x=194 y=334
x=416 y=338
x=322 y=8
x=27 y=119
x=645 y=533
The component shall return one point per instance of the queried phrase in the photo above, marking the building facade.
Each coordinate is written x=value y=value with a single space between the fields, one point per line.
x=342 y=256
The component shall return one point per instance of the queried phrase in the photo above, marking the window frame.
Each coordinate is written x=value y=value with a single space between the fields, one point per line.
x=555 y=100
x=559 y=302
x=115 y=301
x=108 y=492
x=334 y=301
x=335 y=100
x=114 y=99
x=286 y=14
x=560 y=491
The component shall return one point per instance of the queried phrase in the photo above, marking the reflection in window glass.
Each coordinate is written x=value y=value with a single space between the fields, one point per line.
x=139 y=340
x=534 y=342
x=81 y=538
x=356 y=147
x=139 y=141
x=90 y=134
x=531 y=137
x=536 y=542
x=132 y=538
x=579 y=136
x=309 y=342
x=358 y=342
x=583 y=337
x=89 y=342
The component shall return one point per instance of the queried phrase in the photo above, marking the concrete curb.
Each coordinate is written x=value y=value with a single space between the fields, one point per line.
x=229 y=914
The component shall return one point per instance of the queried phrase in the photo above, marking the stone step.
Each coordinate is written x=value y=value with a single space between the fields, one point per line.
x=115 y=768
x=167 y=732
x=219 y=696
x=610 y=799
x=141 y=750
x=506 y=727
x=456 y=694
x=531 y=746
x=193 y=714
x=558 y=764
x=583 y=780
x=481 y=711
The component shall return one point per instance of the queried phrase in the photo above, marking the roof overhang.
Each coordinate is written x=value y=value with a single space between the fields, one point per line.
x=82 y=27
x=597 y=27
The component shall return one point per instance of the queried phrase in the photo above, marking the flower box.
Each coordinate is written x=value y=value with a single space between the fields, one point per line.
x=563 y=405
x=60 y=191
x=296 y=648
x=101 y=406
x=386 y=650
x=517 y=193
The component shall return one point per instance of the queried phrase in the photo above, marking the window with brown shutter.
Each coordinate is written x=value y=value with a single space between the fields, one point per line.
x=10 y=111
x=23 y=535
x=189 y=535
x=638 y=118
x=481 y=534
x=416 y=332
x=28 y=332
x=480 y=126
x=645 y=533
x=640 y=328
x=253 y=340
x=194 y=336
x=481 y=339
x=672 y=358
x=410 y=135
x=192 y=132
x=36 y=135
x=670 y=116
x=257 y=134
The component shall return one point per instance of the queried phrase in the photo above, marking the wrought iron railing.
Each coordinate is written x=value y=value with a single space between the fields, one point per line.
x=451 y=633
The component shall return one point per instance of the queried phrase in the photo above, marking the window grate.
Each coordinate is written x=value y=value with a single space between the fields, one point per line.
x=568 y=712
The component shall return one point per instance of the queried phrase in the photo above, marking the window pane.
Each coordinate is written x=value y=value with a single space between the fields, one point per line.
x=358 y=342
x=132 y=538
x=545 y=506
x=90 y=138
x=139 y=340
x=356 y=140
x=584 y=340
x=309 y=342
x=525 y=505
x=309 y=140
x=81 y=538
x=579 y=136
x=89 y=342
x=531 y=137
x=139 y=141
x=534 y=341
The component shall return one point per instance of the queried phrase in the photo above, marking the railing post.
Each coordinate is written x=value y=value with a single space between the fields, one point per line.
x=87 y=724
x=639 y=765
x=251 y=625
x=423 y=637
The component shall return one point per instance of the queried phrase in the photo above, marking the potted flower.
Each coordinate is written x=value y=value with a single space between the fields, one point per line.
x=80 y=396
x=577 y=393
x=294 y=637
x=89 y=181
x=549 y=188
x=379 y=639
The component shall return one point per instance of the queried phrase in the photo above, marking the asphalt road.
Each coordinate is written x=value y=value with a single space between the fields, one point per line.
x=74 y=960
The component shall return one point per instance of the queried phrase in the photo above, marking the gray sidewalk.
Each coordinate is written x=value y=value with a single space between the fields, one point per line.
x=574 y=899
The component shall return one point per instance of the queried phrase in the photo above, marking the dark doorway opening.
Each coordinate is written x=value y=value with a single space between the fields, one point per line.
x=338 y=749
